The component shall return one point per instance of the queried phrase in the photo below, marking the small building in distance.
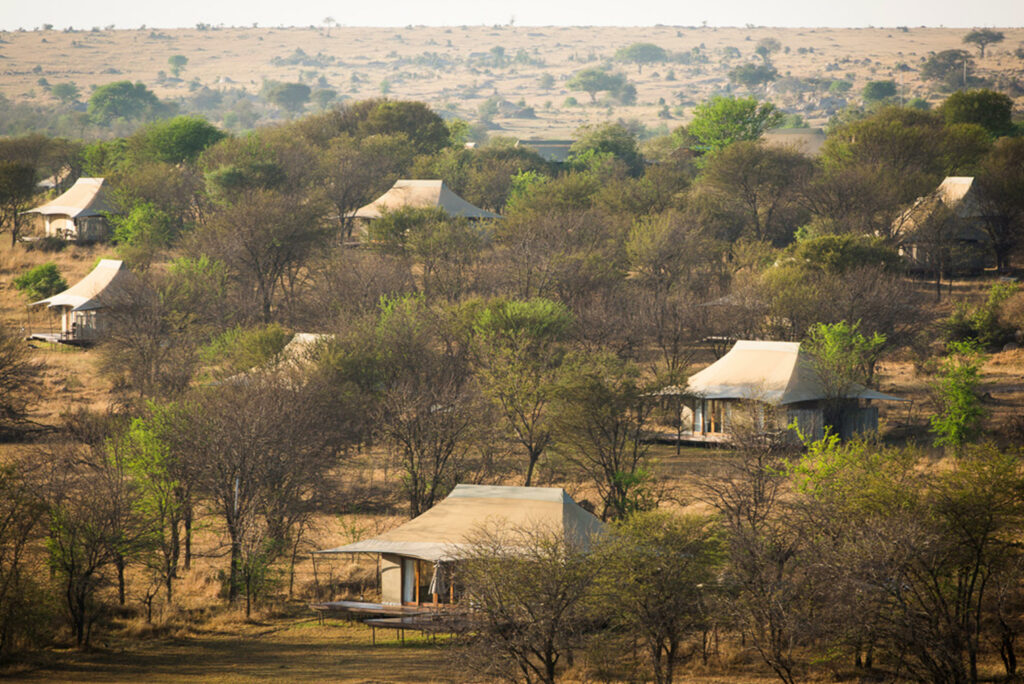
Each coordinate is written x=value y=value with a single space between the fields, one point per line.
x=419 y=559
x=807 y=141
x=556 y=151
x=764 y=386
x=945 y=229
x=81 y=306
x=79 y=214
x=421 y=194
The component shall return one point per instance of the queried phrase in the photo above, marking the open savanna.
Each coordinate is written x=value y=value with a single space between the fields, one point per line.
x=448 y=68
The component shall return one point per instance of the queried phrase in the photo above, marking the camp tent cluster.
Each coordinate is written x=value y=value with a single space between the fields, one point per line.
x=416 y=557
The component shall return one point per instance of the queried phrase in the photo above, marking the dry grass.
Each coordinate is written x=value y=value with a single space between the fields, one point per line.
x=241 y=58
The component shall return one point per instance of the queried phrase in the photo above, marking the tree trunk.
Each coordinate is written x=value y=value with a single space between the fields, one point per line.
x=119 y=564
x=188 y=537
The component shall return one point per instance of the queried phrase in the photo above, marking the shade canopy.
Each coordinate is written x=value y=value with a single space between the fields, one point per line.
x=85 y=198
x=777 y=373
x=94 y=290
x=445 y=531
x=421 y=194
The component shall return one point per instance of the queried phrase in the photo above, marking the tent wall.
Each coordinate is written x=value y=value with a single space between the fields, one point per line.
x=390 y=579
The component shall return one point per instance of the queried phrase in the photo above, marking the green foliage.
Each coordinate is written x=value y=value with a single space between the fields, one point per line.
x=142 y=231
x=960 y=415
x=291 y=97
x=422 y=126
x=947 y=67
x=991 y=110
x=40 y=282
x=593 y=81
x=177 y=140
x=722 y=121
x=177 y=63
x=753 y=75
x=241 y=349
x=983 y=38
x=123 y=100
x=876 y=91
x=983 y=325
x=841 y=253
x=641 y=53
x=610 y=138
x=842 y=358
x=839 y=87
x=65 y=92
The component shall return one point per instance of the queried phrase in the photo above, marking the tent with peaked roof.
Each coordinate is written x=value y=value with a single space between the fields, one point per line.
x=78 y=214
x=950 y=218
x=776 y=375
x=80 y=305
x=410 y=552
x=421 y=194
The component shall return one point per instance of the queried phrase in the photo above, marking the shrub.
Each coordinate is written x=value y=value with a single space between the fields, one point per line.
x=986 y=325
x=41 y=282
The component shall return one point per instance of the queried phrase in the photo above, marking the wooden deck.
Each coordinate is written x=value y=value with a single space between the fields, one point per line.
x=362 y=609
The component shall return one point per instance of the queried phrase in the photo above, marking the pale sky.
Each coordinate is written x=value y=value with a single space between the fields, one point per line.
x=783 y=13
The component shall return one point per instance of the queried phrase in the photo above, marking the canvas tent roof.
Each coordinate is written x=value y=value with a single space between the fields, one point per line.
x=955 y=193
x=774 y=372
x=550 y=150
x=85 y=198
x=442 y=533
x=421 y=194
x=88 y=293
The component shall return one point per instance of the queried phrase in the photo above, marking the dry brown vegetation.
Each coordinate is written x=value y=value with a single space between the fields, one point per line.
x=359 y=60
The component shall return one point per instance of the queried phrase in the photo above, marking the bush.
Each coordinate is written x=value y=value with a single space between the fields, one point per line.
x=41 y=282
x=986 y=325
x=46 y=244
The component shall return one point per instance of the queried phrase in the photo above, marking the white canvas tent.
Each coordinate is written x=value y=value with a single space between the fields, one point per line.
x=951 y=215
x=79 y=304
x=77 y=214
x=411 y=553
x=421 y=194
x=776 y=374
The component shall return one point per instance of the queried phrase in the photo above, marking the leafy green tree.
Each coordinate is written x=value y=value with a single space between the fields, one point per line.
x=65 y=92
x=123 y=100
x=177 y=64
x=998 y=183
x=662 y=568
x=845 y=252
x=765 y=48
x=178 y=140
x=612 y=139
x=422 y=126
x=291 y=97
x=40 y=282
x=17 y=187
x=722 y=121
x=991 y=110
x=546 y=81
x=142 y=232
x=753 y=75
x=960 y=411
x=601 y=412
x=593 y=81
x=323 y=97
x=948 y=68
x=518 y=352
x=875 y=91
x=640 y=54
x=843 y=359
x=982 y=38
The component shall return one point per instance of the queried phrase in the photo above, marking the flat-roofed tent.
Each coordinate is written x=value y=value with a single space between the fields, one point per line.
x=772 y=374
x=78 y=214
x=412 y=553
x=81 y=305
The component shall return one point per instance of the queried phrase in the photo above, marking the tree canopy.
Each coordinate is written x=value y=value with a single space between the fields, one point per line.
x=721 y=121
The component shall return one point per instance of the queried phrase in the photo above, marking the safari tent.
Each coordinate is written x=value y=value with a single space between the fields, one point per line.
x=807 y=141
x=951 y=220
x=556 y=151
x=81 y=306
x=421 y=194
x=417 y=559
x=78 y=214
x=779 y=383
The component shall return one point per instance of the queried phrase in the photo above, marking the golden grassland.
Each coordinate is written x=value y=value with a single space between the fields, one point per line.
x=364 y=58
x=201 y=639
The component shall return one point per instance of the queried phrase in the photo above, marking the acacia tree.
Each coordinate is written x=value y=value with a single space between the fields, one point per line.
x=640 y=54
x=20 y=379
x=660 y=568
x=529 y=589
x=982 y=38
x=17 y=187
x=518 y=354
x=601 y=413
